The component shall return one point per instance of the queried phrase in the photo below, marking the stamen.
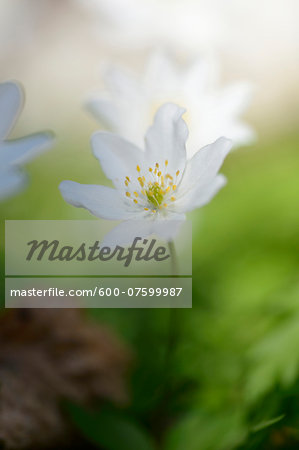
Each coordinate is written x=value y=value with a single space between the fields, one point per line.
x=153 y=192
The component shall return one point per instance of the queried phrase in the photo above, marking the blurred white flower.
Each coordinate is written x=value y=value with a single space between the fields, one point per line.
x=155 y=184
x=129 y=103
x=15 y=153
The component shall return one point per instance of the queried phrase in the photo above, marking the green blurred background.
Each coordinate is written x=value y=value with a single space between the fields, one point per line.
x=231 y=381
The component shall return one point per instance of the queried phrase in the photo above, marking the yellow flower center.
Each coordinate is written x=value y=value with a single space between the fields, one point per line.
x=155 y=195
x=156 y=186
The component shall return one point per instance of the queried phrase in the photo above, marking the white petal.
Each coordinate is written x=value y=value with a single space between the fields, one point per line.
x=166 y=138
x=21 y=151
x=119 y=81
x=204 y=165
x=160 y=76
x=118 y=157
x=11 y=103
x=130 y=103
x=168 y=229
x=127 y=231
x=103 y=110
x=199 y=78
x=201 y=195
x=233 y=100
x=242 y=134
x=101 y=201
x=223 y=114
x=11 y=182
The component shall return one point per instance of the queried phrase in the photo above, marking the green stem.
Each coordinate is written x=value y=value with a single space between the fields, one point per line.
x=167 y=385
x=173 y=318
x=173 y=257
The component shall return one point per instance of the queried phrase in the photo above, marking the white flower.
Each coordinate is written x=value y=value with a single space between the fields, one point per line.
x=15 y=153
x=154 y=184
x=129 y=103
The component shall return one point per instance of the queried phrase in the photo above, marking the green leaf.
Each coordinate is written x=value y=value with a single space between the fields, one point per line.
x=110 y=430
x=267 y=423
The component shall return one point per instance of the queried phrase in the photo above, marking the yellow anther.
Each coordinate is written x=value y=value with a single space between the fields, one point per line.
x=167 y=189
x=157 y=165
x=135 y=201
x=165 y=205
x=174 y=187
x=169 y=176
x=172 y=199
x=140 y=181
x=162 y=180
x=145 y=209
x=150 y=169
x=159 y=173
x=138 y=168
x=143 y=192
x=166 y=162
x=126 y=182
x=177 y=173
x=128 y=194
x=143 y=179
x=136 y=194
x=155 y=171
x=128 y=178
